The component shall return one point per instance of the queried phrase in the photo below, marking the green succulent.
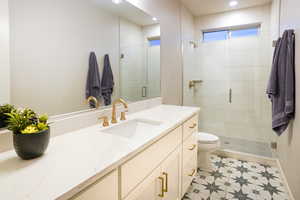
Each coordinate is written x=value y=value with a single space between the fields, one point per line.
x=42 y=126
x=43 y=118
x=4 y=109
x=26 y=122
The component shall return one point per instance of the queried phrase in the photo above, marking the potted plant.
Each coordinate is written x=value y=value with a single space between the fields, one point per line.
x=31 y=133
x=4 y=109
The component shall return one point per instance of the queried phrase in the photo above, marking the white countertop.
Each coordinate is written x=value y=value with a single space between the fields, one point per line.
x=76 y=157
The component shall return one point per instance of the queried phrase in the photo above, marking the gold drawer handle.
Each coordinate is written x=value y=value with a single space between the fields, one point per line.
x=193 y=173
x=162 y=194
x=193 y=126
x=193 y=147
x=166 y=175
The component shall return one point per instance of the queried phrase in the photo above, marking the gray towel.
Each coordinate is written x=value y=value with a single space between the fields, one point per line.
x=107 y=83
x=281 y=87
x=93 y=83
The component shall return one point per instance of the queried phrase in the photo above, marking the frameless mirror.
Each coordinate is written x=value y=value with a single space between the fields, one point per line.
x=47 y=49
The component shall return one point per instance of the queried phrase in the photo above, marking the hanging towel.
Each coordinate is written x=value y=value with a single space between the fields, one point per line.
x=107 y=83
x=281 y=87
x=93 y=83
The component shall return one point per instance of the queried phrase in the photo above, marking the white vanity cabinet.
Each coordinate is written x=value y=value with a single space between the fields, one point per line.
x=136 y=170
x=105 y=188
x=171 y=173
x=171 y=179
x=162 y=171
x=162 y=183
x=189 y=153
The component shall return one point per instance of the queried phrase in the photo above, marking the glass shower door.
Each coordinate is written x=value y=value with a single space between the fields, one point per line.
x=234 y=74
x=204 y=65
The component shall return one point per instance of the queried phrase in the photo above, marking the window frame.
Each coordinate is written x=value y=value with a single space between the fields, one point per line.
x=229 y=32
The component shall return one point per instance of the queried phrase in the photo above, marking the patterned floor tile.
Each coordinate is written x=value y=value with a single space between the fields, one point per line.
x=232 y=179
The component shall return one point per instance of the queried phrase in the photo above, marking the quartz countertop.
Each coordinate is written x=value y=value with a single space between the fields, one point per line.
x=76 y=159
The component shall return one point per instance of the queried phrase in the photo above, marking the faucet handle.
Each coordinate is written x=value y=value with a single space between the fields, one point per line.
x=105 y=121
x=123 y=115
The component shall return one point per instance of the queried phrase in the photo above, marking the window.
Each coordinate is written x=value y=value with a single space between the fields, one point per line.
x=244 y=32
x=215 y=35
x=154 y=42
x=230 y=33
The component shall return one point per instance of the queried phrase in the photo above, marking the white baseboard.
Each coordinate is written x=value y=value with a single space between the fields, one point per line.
x=285 y=180
x=247 y=157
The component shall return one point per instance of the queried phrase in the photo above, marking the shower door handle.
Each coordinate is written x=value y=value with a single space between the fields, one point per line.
x=144 y=91
x=230 y=95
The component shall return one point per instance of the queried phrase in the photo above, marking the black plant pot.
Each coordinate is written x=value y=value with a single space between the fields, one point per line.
x=29 y=146
x=3 y=124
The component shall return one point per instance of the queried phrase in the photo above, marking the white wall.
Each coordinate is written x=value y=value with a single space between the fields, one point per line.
x=168 y=13
x=4 y=53
x=275 y=19
x=50 y=45
x=289 y=142
x=151 y=31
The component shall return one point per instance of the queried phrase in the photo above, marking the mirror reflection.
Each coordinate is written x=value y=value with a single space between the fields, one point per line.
x=60 y=52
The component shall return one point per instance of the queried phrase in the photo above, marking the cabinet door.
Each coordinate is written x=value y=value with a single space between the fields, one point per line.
x=189 y=169
x=171 y=173
x=150 y=188
x=105 y=188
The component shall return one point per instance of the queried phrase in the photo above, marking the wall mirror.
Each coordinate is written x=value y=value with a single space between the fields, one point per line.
x=47 y=49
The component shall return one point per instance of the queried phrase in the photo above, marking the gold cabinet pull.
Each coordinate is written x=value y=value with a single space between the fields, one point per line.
x=193 y=126
x=193 y=173
x=162 y=194
x=193 y=147
x=166 y=175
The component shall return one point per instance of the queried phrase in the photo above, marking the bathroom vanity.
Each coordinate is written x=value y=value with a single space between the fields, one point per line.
x=151 y=155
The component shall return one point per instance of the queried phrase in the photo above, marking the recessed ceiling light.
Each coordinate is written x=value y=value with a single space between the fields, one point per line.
x=117 y=1
x=233 y=3
x=154 y=19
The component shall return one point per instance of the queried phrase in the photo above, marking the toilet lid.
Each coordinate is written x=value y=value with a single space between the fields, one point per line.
x=207 y=138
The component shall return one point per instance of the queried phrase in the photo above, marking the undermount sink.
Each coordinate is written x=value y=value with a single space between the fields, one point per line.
x=133 y=127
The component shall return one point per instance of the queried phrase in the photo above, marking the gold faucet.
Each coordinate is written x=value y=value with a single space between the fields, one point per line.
x=105 y=121
x=91 y=98
x=113 y=116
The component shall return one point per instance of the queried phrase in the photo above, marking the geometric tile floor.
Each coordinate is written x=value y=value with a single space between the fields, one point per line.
x=232 y=179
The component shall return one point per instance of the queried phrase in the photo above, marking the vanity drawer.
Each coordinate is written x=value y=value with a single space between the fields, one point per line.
x=137 y=169
x=105 y=188
x=190 y=126
x=189 y=148
x=189 y=170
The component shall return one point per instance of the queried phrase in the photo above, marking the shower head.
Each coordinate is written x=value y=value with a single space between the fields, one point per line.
x=194 y=44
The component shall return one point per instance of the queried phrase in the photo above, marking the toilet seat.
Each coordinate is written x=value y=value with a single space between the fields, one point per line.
x=206 y=138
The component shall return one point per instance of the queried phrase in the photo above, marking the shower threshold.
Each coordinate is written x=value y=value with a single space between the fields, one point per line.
x=246 y=146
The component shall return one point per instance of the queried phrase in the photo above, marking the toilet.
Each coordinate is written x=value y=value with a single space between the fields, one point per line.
x=207 y=143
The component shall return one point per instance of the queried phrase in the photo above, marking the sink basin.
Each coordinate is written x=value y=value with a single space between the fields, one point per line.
x=133 y=127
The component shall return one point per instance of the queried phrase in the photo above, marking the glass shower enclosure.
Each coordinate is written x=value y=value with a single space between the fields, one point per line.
x=226 y=75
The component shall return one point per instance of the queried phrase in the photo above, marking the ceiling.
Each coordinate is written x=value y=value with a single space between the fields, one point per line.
x=127 y=11
x=204 y=7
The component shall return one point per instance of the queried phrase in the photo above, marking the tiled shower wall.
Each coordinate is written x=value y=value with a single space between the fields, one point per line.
x=241 y=64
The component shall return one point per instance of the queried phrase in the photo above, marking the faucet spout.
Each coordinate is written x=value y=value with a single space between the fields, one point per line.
x=114 y=114
x=91 y=98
